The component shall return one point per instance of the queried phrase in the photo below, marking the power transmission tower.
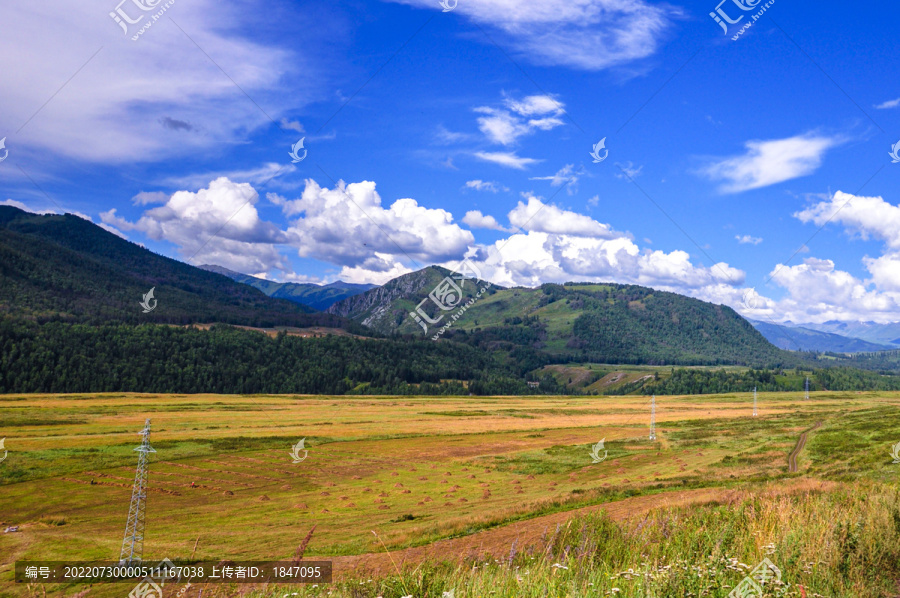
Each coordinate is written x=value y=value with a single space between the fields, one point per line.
x=754 y=402
x=806 y=388
x=653 y=418
x=133 y=544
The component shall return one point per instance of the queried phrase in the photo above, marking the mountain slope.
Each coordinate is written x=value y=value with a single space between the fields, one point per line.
x=66 y=268
x=606 y=323
x=886 y=334
x=316 y=296
x=796 y=338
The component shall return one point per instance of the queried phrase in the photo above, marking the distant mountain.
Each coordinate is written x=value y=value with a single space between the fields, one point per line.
x=797 y=338
x=66 y=268
x=887 y=334
x=319 y=297
x=601 y=323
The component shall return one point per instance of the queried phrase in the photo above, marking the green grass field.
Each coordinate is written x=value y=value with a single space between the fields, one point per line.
x=714 y=486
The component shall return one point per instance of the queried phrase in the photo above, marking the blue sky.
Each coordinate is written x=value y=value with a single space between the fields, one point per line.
x=432 y=136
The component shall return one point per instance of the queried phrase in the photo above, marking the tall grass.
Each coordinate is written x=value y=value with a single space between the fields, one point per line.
x=835 y=540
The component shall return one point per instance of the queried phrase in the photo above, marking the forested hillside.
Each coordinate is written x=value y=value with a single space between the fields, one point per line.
x=65 y=268
x=61 y=357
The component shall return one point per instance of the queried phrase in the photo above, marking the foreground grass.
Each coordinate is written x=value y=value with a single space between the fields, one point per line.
x=843 y=542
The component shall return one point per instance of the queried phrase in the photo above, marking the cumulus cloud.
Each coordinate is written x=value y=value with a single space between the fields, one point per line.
x=888 y=104
x=508 y=159
x=748 y=240
x=582 y=34
x=628 y=170
x=866 y=216
x=347 y=225
x=537 y=216
x=769 y=162
x=476 y=219
x=817 y=290
x=215 y=225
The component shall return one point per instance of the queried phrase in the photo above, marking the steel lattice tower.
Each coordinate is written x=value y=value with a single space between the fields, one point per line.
x=806 y=388
x=754 y=401
x=133 y=544
x=653 y=417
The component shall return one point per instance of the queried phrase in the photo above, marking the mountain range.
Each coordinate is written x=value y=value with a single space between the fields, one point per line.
x=319 y=297
x=805 y=338
x=76 y=316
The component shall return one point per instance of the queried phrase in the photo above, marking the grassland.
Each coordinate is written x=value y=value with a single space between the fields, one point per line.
x=464 y=481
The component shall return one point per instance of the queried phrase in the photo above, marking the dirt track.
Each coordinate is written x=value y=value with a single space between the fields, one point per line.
x=498 y=541
x=801 y=442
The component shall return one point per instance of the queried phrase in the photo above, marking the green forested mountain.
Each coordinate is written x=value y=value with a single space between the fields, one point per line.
x=316 y=296
x=65 y=268
x=605 y=323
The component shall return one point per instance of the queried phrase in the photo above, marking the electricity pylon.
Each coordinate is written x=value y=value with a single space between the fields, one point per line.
x=133 y=544
x=653 y=418
x=806 y=388
x=754 y=402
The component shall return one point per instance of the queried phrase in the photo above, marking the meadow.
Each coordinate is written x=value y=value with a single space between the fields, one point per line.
x=482 y=496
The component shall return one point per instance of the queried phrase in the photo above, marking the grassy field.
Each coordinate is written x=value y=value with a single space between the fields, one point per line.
x=466 y=471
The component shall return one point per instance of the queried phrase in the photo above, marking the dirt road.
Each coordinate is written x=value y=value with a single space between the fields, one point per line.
x=801 y=442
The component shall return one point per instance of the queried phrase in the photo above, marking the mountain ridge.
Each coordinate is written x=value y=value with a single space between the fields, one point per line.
x=319 y=297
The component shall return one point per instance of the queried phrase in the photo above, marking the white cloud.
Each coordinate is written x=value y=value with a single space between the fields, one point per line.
x=748 y=240
x=547 y=218
x=628 y=170
x=149 y=197
x=362 y=275
x=769 y=162
x=216 y=225
x=348 y=226
x=132 y=102
x=583 y=34
x=292 y=125
x=565 y=175
x=889 y=104
x=491 y=186
x=506 y=126
x=476 y=219
x=508 y=159
x=866 y=216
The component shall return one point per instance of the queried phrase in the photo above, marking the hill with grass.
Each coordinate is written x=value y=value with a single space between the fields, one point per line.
x=64 y=268
x=316 y=296
x=600 y=323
